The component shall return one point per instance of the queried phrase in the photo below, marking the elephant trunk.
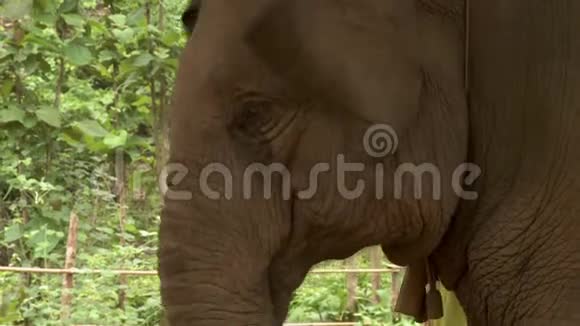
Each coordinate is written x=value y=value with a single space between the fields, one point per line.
x=207 y=277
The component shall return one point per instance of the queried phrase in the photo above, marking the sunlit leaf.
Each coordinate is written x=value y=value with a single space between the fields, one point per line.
x=142 y=100
x=115 y=141
x=97 y=26
x=131 y=228
x=95 y=144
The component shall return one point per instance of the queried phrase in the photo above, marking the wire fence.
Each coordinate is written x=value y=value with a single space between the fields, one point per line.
x=389 y=268
x=69 y=270
x=63 y=271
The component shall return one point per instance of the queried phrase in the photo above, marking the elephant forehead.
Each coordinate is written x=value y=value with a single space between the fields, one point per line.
x=229 y=16
x=360 y=58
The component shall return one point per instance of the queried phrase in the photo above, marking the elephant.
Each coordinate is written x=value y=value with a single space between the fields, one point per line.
x=289 y=91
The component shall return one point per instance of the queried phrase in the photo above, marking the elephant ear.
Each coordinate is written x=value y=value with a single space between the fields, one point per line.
x=355 y=56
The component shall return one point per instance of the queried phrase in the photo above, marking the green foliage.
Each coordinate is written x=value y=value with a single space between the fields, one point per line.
x=79 y=84
x=323 y=298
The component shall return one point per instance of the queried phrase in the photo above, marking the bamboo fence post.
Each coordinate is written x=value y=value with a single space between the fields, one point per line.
x=375 y=260
x=395 y=287
x=121 y=189
x=70 y=258
x=351 y=284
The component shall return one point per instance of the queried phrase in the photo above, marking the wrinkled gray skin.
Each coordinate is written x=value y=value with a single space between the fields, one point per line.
x=298 y=82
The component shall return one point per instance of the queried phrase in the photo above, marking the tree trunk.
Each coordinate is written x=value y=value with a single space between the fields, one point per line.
x=161 y=121
x=70 y=258
x=121 y=189
x=376 y=256
x=26 y=277
x=351 y=285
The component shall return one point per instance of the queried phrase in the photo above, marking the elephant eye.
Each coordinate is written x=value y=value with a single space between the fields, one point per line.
x=259 y=124
x=255 y=118
x=189 y=17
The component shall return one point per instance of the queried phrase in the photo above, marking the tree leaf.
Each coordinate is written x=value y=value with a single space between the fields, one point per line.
x=91 y=128
x=107 y=55
x=72 y=137
x=11 y=114
x=12 y=233
x=95 y=144
x=43 y=240
x=171 y=63
x=124 y=35
x=16 y=9
x=114 y=141
x=4 y=52
x=78 y=55
x=7 y=87
x=29 y=122
x=118 y=19
x=73 y=20
x=47 y=44
x=171 y=38
x=49 y=115
x=69 y=5
x=143 y=59
x=97 y=27
x=137 y=18
x=142 y=101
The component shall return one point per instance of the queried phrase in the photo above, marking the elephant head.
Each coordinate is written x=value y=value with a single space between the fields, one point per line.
x=273 y=164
